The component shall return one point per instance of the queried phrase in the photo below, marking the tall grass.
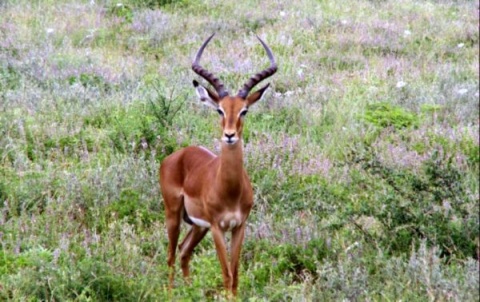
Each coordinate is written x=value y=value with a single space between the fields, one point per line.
x=364 y=154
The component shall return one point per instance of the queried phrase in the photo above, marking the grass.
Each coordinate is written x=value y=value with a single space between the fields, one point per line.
x=364 y=154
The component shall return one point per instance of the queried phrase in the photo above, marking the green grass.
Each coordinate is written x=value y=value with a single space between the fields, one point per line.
x=364 y=154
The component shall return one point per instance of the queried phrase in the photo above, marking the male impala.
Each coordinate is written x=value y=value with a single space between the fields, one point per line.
x=209 y=191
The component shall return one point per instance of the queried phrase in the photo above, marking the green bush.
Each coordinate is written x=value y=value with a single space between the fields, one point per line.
x=131 y=206
x=9 y=78
x=284 y=259
x=385 y=115
x=121 y=11
x=155 y=4
x=90 y=80
x=413 y=207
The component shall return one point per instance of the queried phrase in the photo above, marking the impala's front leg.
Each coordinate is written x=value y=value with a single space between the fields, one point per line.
x=236 y=248
x=219 y=240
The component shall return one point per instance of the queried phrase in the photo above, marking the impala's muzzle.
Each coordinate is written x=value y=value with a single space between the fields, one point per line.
x=230 y=137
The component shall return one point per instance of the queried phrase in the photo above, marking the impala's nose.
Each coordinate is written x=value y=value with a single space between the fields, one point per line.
x=229 y=137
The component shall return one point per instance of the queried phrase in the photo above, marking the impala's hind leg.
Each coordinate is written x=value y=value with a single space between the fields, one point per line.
x=195 y=235
x=173 y=211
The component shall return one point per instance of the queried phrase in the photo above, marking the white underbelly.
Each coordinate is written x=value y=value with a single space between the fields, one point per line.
x=200 y=222
x=193 y=211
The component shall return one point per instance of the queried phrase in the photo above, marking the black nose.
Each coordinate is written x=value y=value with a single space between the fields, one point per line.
x=229 y=136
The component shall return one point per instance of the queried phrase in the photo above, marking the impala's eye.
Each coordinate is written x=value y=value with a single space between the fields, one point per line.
x=243 y=113
x=220 y=111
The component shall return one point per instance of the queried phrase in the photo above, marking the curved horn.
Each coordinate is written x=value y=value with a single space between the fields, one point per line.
x=215 y=82
x=261 y=75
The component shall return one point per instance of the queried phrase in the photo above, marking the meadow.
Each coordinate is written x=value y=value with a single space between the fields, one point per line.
x=364 y=153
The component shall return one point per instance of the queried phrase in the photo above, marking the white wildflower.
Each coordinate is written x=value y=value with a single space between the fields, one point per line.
x=119 y=4
x=354 y=245
x=401 y=84
x=50 y=30
x=282 y=14
x=460 y=45
x=446 y=207
x=462 y=91
x=406 y=33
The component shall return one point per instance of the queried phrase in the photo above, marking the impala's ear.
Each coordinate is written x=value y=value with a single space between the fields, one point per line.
x=205 y=95
x=257 y=95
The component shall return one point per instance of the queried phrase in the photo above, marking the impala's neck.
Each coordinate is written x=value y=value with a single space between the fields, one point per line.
x=230 y=173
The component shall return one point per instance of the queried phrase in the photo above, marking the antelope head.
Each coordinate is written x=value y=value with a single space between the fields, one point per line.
x=232 y=109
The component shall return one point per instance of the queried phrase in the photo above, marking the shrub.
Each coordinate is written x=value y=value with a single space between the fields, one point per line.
x=431 y=206
x=385 y=115
x=293 y=259
x=155 y=4
x=90 y=80
x=121 y=11
x=9 y=78
x=130 y=206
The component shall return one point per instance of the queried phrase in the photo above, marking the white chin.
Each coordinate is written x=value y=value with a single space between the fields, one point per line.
x=230 y=142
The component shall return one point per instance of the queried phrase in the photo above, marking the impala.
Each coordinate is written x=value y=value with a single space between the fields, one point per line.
x=212 y=192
